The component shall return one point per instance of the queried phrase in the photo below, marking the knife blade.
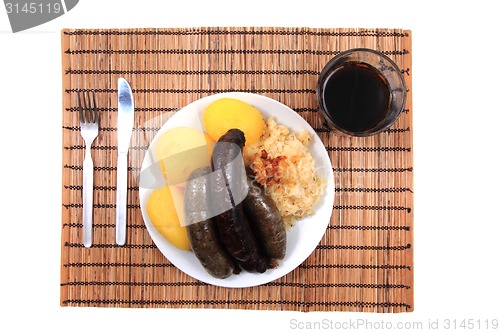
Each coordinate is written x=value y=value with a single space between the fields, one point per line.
x=124 y=129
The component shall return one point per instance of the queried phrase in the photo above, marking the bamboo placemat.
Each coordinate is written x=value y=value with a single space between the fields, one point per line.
x=364 y=261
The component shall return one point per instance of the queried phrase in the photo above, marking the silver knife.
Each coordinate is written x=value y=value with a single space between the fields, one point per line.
x=125 y=125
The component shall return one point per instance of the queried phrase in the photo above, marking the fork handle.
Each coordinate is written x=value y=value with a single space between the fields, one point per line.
x=121 y=198
x=88 y=202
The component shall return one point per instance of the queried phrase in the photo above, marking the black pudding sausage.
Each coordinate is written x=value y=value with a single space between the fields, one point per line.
x=201 y=230
x=265 y=219
x=234 y=229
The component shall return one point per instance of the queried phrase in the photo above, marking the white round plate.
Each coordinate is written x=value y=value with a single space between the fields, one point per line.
x=302 y=238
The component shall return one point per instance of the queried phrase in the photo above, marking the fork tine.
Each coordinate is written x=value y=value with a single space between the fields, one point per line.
x=80 y=110
x=88 y=111
x=86 y=102
x=94 y=108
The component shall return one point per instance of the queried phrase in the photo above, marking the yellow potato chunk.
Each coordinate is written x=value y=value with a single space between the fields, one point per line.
x=227 y=113
x=181 y=150
x=165 y=210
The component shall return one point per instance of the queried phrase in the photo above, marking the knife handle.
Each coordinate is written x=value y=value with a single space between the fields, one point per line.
x=121 y=198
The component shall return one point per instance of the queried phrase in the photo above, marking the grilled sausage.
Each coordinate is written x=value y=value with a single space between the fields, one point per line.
x=242 y=241
x=229 y=181
x=266 y=220
x=201 y=230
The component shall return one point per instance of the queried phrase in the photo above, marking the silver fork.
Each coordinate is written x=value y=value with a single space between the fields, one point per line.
x=89 y=127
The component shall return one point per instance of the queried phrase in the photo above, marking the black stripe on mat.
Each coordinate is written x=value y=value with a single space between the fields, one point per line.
x=270 y=284
x=331 y=227
x=134 y=284
x=328 y=148
x=337 y=189
x=99 y=188
x=103 y=225
x=319 y=247
x=368 y=149
x=99 y=168
x=373 y=189
x=175 y=109
x=156 y=129
x=409 y=169
x=338 y=285
x=117 y=264
x=351 y=207
x=215 y=51
x=370 y=227
x=114 y=129
x=364 y=247
x=99 y=206
x=226 y=302
x=137 y=109
x=199 y=91
x=355 y=266
x=302 y=266
x=210 y=32
x=191 y=72
x=98 y=147
x=342 y=207
x=111 y=246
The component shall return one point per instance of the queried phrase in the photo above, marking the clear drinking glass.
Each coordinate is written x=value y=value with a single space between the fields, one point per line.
x=361 y=92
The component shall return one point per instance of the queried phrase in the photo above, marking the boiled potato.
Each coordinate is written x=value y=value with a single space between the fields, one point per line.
x=181 y=150
x=227 y=113
x=165 y=209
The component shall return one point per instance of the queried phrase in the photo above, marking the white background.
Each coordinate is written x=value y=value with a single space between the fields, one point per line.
x=456 y=92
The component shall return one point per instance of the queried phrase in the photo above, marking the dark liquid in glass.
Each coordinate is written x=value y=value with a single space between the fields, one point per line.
x=356 y=96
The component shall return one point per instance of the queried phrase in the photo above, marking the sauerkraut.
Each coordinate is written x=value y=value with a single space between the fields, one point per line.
x=283 y=165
